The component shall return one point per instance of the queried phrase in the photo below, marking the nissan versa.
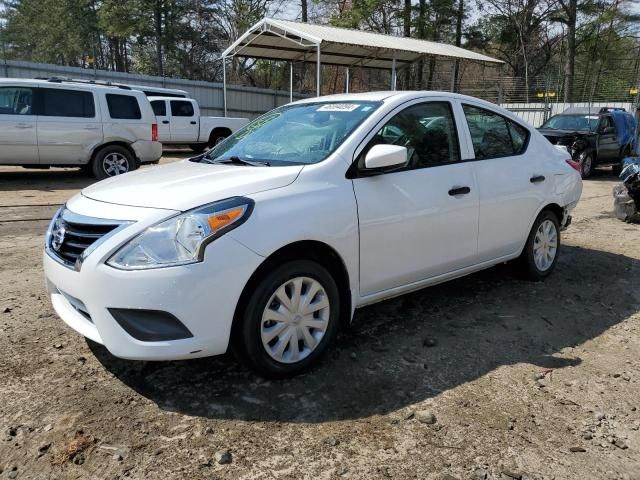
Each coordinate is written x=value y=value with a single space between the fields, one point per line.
x=270 y=241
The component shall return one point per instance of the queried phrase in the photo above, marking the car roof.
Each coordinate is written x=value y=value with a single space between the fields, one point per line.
x=36 y=82
x=160 y=97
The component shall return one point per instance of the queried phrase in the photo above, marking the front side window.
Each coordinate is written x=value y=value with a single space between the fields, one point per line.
x=123 y=106
x=295 y=134
x=181 y=109
x=159 y=108
x=57 y=102
x=428 y=132
x=493 y=135
x=16 y=101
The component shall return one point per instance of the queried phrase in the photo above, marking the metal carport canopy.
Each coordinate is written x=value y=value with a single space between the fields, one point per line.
x=294 y=42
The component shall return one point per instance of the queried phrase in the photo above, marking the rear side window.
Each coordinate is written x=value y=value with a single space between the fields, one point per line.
x=181 y=109
x=159 y=107
x=67 y=103
x=493 y=135
x=123 y=106
x=16 y=101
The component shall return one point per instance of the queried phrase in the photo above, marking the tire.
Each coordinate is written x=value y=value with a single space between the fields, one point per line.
x=617 y=169
x=111 y=161
x=262 y=336
x=217 y=137
x=198 y=147
x=532 y=266
x=586 y=165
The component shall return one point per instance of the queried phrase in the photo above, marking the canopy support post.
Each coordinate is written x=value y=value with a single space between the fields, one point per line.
x=454 y=68
x=394 y=74
x=347 y=79
x=224 y=86
x=290 y=82
x=318 y=79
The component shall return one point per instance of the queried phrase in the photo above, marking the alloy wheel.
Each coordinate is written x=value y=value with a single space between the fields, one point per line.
x=295 y=320
x=115 y=164
x=545 y=245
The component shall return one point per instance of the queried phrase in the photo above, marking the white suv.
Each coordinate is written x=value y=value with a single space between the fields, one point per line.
x=108 y=130
x=272 y=239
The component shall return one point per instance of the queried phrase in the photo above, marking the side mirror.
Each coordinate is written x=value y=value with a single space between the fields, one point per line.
x=608 y=130
x=384 y=157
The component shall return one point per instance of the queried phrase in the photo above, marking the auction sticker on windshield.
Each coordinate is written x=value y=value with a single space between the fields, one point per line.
x=338 y=107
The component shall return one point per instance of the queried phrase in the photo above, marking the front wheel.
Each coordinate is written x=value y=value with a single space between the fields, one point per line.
x=540 y=254
x=111 y=161
x=586 y=165
x=290 y=319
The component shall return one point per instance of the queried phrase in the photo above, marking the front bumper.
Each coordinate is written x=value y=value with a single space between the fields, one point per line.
x=202 y=296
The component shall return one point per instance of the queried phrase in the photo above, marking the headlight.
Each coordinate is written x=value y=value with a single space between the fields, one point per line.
x=181 y=240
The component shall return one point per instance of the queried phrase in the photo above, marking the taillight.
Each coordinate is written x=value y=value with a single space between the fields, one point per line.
x=154 y=132
x=575 y=165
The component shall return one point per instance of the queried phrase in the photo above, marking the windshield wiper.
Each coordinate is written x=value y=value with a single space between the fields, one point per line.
x=239 y=161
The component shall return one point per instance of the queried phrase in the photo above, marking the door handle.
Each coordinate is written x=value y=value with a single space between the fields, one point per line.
x=459 y=191
x=91 y=128
x=193 y=123
x=165 y=121
x=24 y=125
x=537 y=179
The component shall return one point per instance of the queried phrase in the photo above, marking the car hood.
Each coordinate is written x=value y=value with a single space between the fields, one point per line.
x=185 y=185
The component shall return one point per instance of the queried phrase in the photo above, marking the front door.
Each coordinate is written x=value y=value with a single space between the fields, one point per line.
x=608 y=146
x=420 y=221
x=18 y=134
x=184 y=123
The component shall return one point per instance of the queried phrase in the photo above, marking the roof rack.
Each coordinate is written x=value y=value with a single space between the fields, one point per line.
x=91 y=82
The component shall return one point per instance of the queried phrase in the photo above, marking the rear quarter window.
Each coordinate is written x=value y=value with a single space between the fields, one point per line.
x=123 y=107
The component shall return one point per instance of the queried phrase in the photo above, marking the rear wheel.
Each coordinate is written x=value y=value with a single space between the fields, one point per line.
x=112 y=161
x=217 y=137
x=540 y=254
x=290 y=319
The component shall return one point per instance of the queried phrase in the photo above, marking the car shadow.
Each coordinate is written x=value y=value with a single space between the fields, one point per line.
x=44 y=180
x=387 y=360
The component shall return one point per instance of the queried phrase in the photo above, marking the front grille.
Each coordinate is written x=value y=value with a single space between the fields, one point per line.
x=71 y=235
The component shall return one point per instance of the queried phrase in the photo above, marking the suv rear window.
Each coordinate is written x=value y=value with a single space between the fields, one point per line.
x=57 y=102
x=181 y=109
x=123 y=106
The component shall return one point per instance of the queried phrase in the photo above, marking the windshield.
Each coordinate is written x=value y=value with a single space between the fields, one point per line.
x=583 y=123
x=294 y=134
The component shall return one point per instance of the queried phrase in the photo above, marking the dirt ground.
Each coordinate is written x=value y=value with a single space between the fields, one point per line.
x=484 y=377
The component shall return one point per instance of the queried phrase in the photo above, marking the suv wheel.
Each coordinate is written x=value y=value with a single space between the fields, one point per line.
x=111 y=161
x=290 y=319
x=540 y=254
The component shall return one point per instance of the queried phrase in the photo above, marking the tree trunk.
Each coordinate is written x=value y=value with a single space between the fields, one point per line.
x=407 y=33
x=305 y=11
x=422 y=13
x=158 y=28
x=459 y=18
x=570 y=64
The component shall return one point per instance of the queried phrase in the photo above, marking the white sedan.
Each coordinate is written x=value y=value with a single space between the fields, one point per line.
x=270 y=241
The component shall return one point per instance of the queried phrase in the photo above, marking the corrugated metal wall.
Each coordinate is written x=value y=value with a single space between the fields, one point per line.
x=241 y=101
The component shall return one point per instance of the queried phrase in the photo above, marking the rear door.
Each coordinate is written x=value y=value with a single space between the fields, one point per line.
x=160 y=111
x=608 y=146
x=184 y=123
x=18 y=126
x=511 y=182
x=68 y=126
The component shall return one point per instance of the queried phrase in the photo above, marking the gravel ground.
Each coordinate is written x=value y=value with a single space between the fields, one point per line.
x=484 y=377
